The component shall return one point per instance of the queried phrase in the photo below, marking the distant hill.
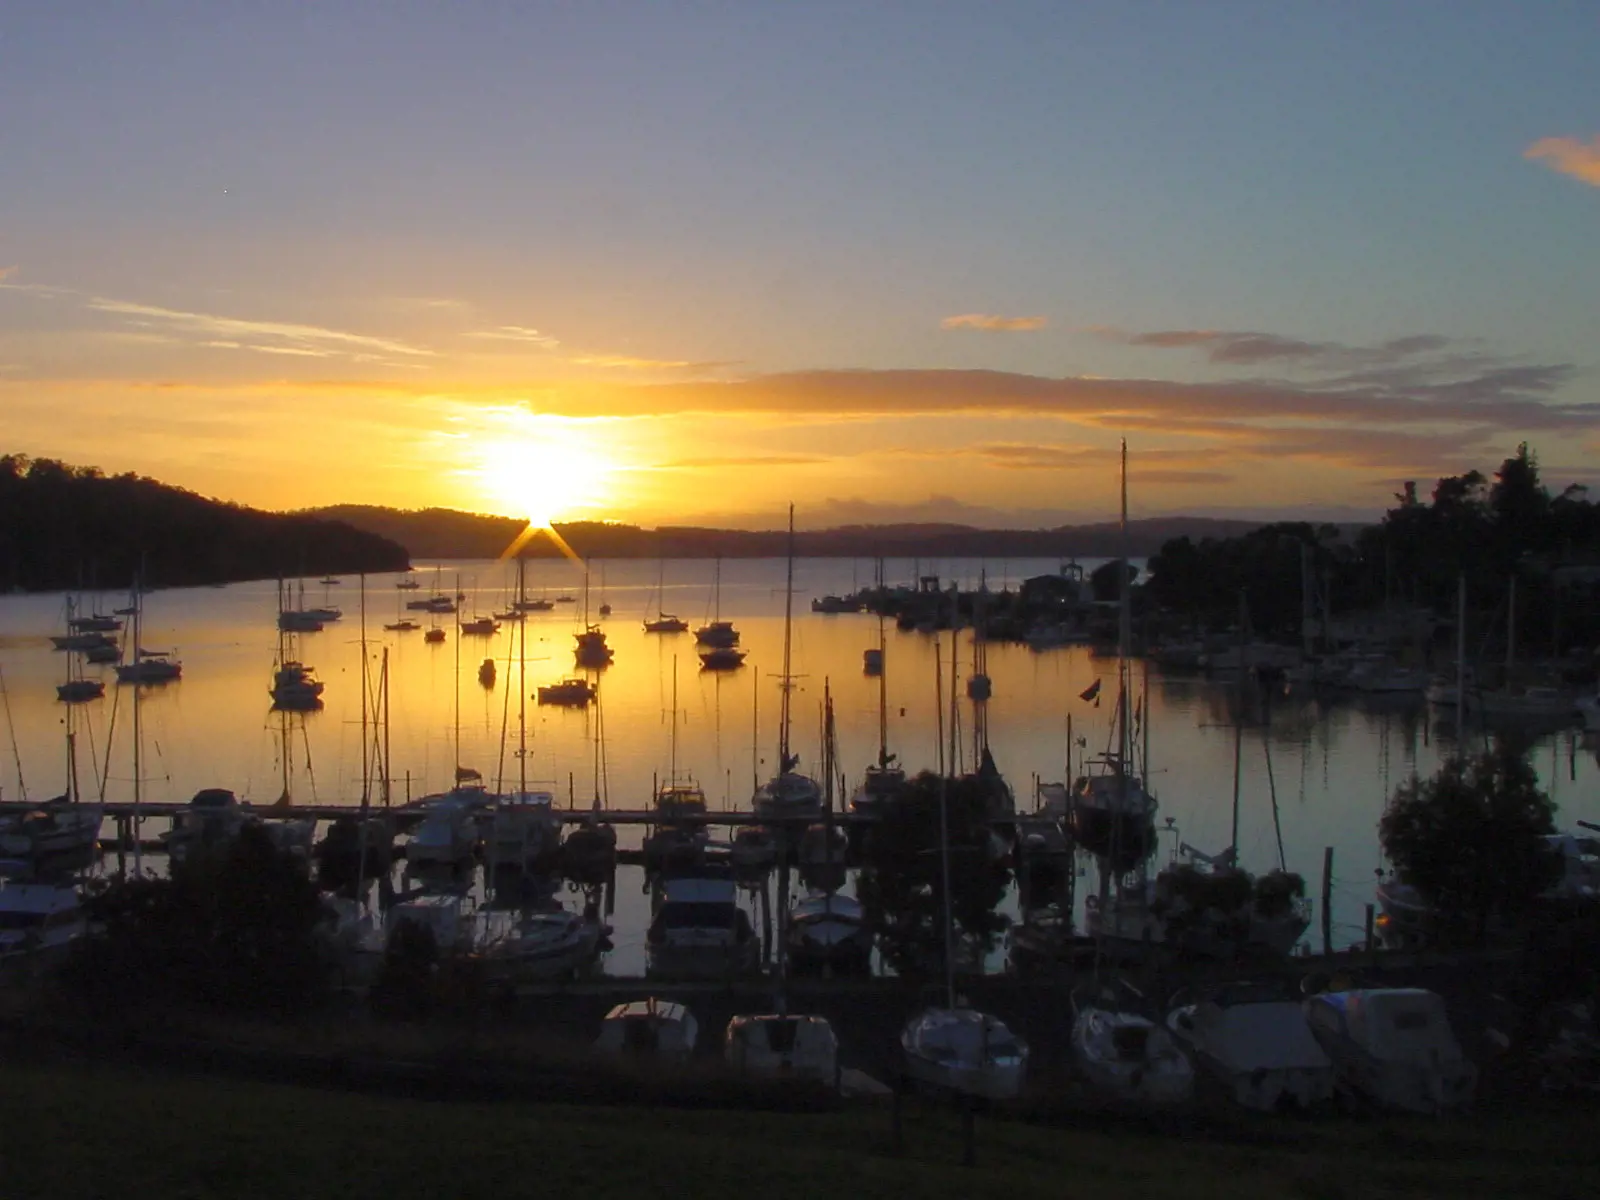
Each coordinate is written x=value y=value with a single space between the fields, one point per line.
x=67 y=527
x=446 y=533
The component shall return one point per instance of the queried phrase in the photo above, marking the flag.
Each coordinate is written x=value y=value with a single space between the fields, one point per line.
x=1092 y=692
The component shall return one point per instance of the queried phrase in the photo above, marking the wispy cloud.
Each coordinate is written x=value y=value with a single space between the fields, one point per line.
x=1570 y=156
x=1244 y=348
x=752 y=460
x=516 y=333
x=628 y=362
x=994 y=323
x=259 y=335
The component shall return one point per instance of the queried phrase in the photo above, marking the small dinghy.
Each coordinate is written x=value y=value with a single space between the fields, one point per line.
x=786 y=1047
x=1254 y=1040
x=1125 y=1055
x=652 y=1028
x=964 y=1051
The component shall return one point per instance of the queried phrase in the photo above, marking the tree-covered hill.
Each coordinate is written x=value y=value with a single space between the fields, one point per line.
x=63 y=526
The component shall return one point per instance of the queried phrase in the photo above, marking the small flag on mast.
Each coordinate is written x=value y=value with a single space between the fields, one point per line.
x=1092 y=692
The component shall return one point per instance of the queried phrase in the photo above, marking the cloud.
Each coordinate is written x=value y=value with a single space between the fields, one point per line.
x=754 y=460
x=1243 y=348
x=517 y=333
x=7 y=273
x=992 y=323
x=1570 y=156
x=627 y=362
x=256 y=335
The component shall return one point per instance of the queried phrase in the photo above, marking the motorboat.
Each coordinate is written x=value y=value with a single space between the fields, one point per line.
x=528 y=604
x=1113 y=816
x=403 y=625
x=442 y=915
x=407 y=585
x=150 y=666
x=822 y=854
x=828 y=931
x=546 y=945
x=329 y=581
x=722 y=658
x=480 y=627
x=721 y=634
x=1393 y=1047
x=591 y=649
x=880 y=784
x=212 y=820
x=962 y=1050
x=39 y=919
x=95 y=623
x=57 y=827
x=81 y=641
x=836 y=604
x=699 y=930
x=1125 y=1055
x=1255 y=1041
x=295 y=688
x=438 y=604
x=78 y=691
x=447 y=836
x=788 y=796
x=512 y=614
x=754 y=850
x=486 y=672
x=434 y=636
x=109 y=652
x=783 y=1046
x=1534 y=703
x=570 y=693
x=872 y=661
x=666 y=623
x=670 y=837
x=651 y=1028
x=523 y=831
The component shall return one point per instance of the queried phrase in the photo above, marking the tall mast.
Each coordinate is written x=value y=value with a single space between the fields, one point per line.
x=366 y=749
x=1461 y=653
x=672 y=776
x=883 y=698
x=138 y=851
x=944 y=827
x=383 y=696
x=522 y=683
x=1124 y=622
x=788 y=622
x=456 y=776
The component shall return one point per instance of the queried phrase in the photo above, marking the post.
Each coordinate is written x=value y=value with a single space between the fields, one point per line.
x=1372 y=952
x=1327 y=900
x=969 y=1138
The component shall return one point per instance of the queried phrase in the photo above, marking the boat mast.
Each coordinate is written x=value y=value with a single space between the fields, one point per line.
x=1461 y=653
x=138 y=849
x=944 y=820
x=456 y=778
x=883 y=698
x=522 y=682
x=784 y=764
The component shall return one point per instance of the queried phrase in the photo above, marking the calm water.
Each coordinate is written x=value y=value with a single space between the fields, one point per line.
x=1331 y=764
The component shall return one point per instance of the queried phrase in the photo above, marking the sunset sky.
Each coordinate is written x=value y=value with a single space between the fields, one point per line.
x=667 y=262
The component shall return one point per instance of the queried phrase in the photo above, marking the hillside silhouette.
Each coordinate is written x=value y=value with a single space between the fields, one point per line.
x=63 y=527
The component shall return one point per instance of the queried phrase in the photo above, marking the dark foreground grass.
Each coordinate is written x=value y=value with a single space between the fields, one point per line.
x=79 y=1131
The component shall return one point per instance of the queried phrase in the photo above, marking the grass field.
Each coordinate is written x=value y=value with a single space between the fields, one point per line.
x=68 y=1132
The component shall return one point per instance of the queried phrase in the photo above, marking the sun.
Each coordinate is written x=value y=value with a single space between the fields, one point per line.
x=544 y=480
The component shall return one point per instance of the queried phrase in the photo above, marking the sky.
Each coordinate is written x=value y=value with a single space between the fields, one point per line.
x=692 y=262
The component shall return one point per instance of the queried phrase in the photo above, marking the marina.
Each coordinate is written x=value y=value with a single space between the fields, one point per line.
x=1314 y=768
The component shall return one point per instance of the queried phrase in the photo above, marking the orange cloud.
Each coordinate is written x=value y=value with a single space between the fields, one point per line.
x=7 y=272
x=992 y=323
x=1570 y=156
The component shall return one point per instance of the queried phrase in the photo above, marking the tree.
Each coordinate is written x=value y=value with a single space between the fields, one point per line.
x=902 y=887
x=1469 y=840
x=1104 y=583
x=232 y=929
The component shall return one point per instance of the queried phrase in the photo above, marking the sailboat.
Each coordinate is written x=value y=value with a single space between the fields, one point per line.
x=146 y=666
x=605 y=605
x=717 y=632
x=591 y=650
x=295 y=686
x=59 y=827
x=1112 y=815
x=523 y=833
x=951 y=1047
x=1512 y=701
x=788 y=794
x=884 y=778
x=672 y=839
x=401 y=622
x=81 y=637
x=664 y=622
x=78 y=688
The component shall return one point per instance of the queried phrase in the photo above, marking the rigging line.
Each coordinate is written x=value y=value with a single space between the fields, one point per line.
x=111 y=737
x=16 y=751
x=311 y=775
x=505 y=717
x=1272 y=789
